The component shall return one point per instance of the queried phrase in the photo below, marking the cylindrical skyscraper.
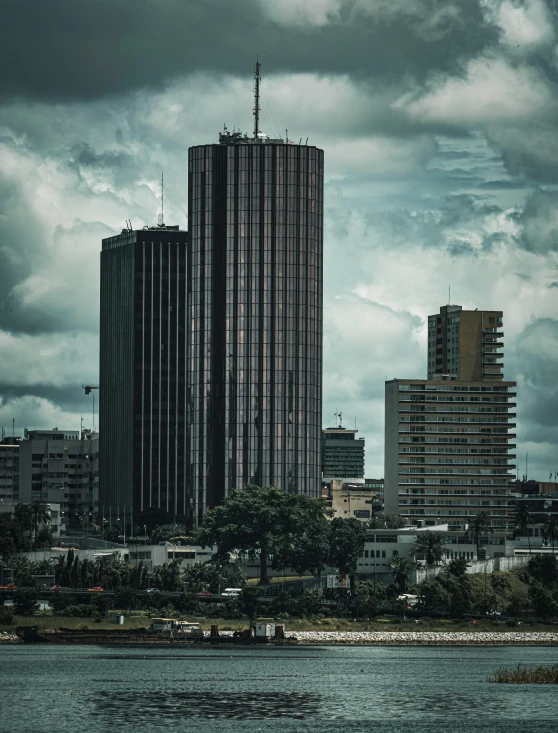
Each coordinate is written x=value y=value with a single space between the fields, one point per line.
x=254 y=354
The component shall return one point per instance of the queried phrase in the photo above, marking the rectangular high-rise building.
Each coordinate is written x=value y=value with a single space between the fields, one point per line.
x=142 y=385
x=254 y=367
x=466 y=345
x=449 y=450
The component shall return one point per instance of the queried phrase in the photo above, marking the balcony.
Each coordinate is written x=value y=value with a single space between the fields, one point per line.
x=493 y=334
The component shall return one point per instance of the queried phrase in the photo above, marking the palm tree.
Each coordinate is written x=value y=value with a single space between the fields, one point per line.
x=458 y=566
x=430 y=547
x=477 y=526
x=401 y=568
x=522 y=523
x=550 y=529
x=41 y=515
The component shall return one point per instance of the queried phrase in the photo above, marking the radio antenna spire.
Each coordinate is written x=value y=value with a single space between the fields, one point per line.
x=257 y=80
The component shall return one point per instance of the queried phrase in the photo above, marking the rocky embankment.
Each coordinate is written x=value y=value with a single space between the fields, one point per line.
x=409 y=638
x=424 y=637
x=9 y=637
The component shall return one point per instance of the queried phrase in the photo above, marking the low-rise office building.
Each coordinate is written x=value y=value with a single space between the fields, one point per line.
x=59 y=466
x=352 y=501
x=342 y=454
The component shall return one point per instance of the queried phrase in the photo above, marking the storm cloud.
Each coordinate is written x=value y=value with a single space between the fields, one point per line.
x=437 y=119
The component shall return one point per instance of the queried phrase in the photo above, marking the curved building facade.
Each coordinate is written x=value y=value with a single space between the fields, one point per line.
x=254 y=354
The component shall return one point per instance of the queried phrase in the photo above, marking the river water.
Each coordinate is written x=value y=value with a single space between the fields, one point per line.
x=50 y=689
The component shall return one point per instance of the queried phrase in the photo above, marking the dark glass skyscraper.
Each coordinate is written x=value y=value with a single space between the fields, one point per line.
x=142 y=374
x=254 y=365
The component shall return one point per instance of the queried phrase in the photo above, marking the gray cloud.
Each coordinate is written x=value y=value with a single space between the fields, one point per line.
x=540 y=222
x=80 y=50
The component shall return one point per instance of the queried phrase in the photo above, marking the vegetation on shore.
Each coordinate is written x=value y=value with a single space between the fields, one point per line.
x=526 y=675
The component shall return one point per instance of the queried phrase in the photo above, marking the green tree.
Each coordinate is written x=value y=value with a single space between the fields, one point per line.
x=25 y=603
x=166 y=532
x=262 y=522
x=125 y=599
x=401 y=568
x=23 y=513
x=41 y=515
x=522 y=523
x=205 y=576
x=307 y=546
x=22 y=571
x=167 y=576
x=12 y=536
x=458 y=566
x=544 y=568
x=249 y=602
x=478 y=526
x=44 y=538
x=542 y=601
x=347 y=540
x=430 y=547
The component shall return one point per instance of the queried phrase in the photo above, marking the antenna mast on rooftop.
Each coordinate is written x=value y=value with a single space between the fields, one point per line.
x=162 y=214
x=256 y=100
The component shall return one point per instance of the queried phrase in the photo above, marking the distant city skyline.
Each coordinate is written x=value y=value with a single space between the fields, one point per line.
x=441 y=170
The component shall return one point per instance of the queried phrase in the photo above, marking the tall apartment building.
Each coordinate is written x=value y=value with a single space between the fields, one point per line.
x=449 y=450
x=9 y=469
x=342 y=454
x=57 y=466
x=254 y=367
x=144 y=317
x=466 y=344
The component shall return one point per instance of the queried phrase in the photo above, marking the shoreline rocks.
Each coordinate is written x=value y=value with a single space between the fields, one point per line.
x=424 y=637
x=9 y=637
x=420 y=638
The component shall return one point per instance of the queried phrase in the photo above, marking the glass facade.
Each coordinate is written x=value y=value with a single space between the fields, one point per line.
x=254 y=355
x=142 y=374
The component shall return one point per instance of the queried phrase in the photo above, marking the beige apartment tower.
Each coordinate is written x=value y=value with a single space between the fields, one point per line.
x=466 y=345
x=449 y=440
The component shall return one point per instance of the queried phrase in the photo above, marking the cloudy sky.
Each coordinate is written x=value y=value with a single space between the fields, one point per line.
x=439 y=123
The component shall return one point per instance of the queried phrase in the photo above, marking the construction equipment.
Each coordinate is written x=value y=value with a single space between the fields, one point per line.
x=89 y=387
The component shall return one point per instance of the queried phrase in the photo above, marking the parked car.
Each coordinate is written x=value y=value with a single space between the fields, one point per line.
x=10 y=586
x=96 y=589
x=152 y=590
x=205 y=593
x=231 y=592
x=56 y=587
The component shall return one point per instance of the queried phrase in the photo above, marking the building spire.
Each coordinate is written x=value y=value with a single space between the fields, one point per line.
x=256 y=99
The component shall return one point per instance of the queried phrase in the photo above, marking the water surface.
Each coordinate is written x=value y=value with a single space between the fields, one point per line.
x=52 y=689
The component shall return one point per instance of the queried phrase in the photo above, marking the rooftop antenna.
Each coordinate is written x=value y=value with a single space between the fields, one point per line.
x=162 y=214
x=449 y=294
x=257 y=80
x=340 y=416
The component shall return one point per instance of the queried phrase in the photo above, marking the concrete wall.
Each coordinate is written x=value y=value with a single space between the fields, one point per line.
x=493 y=565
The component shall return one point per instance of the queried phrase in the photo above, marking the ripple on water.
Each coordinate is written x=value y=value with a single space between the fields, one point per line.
x=140 y=709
